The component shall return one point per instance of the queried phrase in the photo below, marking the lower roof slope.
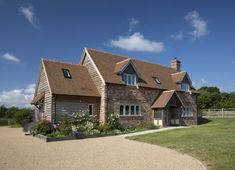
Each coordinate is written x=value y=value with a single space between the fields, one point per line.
x=80 y=84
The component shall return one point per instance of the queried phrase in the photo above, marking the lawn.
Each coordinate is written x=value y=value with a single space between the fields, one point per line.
x=213 y=142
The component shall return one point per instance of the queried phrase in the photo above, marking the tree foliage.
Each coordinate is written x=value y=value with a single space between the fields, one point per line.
x=212 y=98
x=17 y=115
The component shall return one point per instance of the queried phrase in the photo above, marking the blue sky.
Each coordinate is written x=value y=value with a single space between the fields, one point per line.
x=199 y=33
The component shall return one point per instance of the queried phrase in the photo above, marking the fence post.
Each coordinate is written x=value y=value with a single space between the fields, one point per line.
x=222 y=112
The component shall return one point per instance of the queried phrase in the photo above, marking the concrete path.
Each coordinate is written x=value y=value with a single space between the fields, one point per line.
x=26 y=153
x=153 y=131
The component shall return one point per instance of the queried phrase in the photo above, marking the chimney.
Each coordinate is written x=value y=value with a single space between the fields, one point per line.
x=175 y=64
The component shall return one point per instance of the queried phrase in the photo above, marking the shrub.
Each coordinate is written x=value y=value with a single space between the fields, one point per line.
x=103 y=128
x=65 y=127
x=82 y=122
x=113 y=122
x=94 y=132
x=43 y=127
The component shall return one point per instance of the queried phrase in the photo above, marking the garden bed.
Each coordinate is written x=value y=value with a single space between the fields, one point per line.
x=63 y=138
x=82 y=126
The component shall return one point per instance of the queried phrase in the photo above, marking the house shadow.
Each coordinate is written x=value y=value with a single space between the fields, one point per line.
x=202 y=121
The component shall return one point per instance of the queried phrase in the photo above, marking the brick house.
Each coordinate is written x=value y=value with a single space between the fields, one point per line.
x=103 y=83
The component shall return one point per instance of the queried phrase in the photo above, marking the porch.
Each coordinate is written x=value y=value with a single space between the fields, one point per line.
x=167 y=109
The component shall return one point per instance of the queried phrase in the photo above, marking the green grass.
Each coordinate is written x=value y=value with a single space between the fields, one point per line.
x=213 y=143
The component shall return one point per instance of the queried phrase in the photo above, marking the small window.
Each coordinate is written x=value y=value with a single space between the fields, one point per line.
x=129 y=110
x=90 y=109
x=185 y=87
x=187 y=111
x=129 y=79
x=158 y=114
x=67 y=73
x=157 y=80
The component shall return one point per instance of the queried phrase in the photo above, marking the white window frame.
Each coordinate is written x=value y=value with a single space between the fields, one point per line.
x=130 y=79
x=187 y=111
x=88 y=109
x=185 y=87
x=129 y=113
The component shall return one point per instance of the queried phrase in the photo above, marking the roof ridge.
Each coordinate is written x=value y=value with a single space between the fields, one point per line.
x=123 y=61
x=180 y=72
x=169 y=90
x=59 y=61
x=134 y=58
x=108 y=53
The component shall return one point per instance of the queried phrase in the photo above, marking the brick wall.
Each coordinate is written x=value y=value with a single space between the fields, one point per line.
x=122 y=94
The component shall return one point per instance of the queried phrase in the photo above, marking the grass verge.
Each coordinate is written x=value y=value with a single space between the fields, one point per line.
x=213 y=143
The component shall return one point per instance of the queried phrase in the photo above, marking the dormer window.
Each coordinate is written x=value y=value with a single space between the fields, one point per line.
x=129 y=79
x=66 y=73
x=185 y=87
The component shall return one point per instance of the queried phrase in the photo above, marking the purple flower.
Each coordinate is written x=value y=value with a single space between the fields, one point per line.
x=56 y=126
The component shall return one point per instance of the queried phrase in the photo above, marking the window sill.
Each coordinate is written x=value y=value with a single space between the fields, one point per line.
x=129 y=115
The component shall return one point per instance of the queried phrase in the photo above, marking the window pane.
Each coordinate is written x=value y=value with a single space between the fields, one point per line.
x=90 y=109
x=137 y=110
x=66 y=73
x=129 y=79
x=127 y=110
x=132 y=110
x=121 y=110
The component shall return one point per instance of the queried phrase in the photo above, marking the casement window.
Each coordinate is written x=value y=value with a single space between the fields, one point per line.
x=129 y=110
x=158 y=114
x=66 y=73
x=129 y=79
x=90 y=109
x=185 y=87
x=187 y=111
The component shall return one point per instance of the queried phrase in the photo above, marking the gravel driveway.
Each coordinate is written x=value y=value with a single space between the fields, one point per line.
x=26 y=152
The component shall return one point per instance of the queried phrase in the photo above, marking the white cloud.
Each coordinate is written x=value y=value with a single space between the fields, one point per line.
x=197 y=22
x=132 y=23
x=178 y=36
x=29 y=15
x=137 y=42
x=10 y=57
x=18 y=97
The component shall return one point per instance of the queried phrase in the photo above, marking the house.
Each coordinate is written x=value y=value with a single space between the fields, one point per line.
x=103 y=83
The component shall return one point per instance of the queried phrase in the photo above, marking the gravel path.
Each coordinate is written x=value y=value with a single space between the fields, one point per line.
x=26 y=152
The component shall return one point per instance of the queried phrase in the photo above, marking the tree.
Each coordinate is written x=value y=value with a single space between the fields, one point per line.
x=211 y=97
x=3 y=111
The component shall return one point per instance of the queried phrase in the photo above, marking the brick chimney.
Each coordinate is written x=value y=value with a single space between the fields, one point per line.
x=175 y=64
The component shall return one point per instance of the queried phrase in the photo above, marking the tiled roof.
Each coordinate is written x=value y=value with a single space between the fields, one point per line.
x=163 y=99
x=109 y=64
x=80 y=84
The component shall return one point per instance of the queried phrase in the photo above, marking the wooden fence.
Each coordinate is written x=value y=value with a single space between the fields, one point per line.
x=218 y=113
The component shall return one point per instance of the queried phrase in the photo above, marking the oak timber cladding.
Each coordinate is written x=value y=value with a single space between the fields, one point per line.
x=67 y=105
x=99 y=85
x=43 y=87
